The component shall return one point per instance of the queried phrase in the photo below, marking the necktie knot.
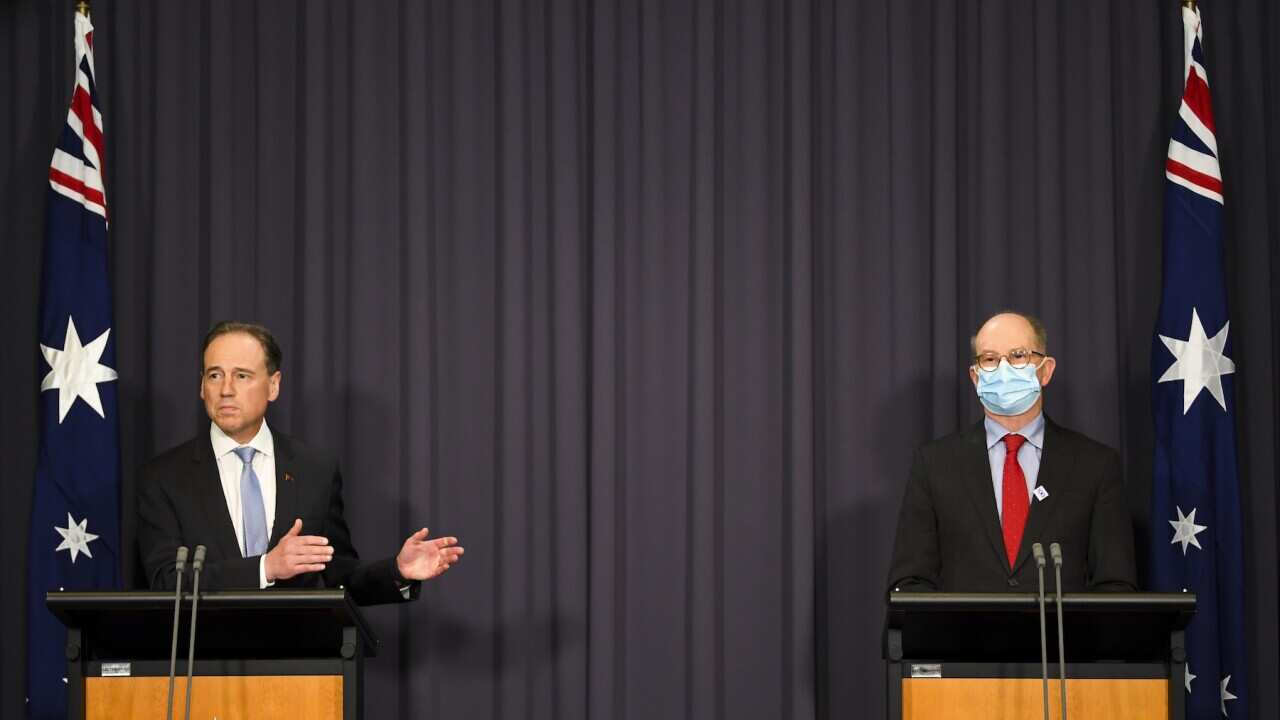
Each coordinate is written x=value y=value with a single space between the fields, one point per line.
x=245 y=454
x=1012 y=442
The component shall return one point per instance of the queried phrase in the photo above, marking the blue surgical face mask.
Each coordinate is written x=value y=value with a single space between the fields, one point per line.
x=1008 y=391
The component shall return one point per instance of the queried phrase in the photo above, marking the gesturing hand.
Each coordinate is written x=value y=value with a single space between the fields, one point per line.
x=296 y=554
x=423 y=559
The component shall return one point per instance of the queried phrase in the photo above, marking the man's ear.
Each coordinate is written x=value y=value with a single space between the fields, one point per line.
x=274 y=391
x=973 y=376
x=1045 y=373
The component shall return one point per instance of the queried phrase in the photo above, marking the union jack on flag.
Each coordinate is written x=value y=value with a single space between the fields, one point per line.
x=76 y=168
x=75 y=511
x=1193 y=149
x=1196 y=533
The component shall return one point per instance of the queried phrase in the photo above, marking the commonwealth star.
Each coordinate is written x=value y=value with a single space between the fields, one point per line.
x=1199 y=363
x=75 y=371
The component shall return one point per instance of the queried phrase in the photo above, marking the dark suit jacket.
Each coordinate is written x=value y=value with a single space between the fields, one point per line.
x=180 y=502
x=949 y=535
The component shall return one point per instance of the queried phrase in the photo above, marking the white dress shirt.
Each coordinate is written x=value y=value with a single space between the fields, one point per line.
x=229 y=471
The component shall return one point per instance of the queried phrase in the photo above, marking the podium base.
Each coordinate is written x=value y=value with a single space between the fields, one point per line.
x=226 y=697
x=1022 y=699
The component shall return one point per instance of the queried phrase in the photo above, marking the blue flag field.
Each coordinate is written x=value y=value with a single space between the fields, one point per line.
x=1195 y=507
x=75 y=515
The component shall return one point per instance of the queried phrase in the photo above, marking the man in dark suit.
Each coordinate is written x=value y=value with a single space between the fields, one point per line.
x=247 y=493
x=978 y=499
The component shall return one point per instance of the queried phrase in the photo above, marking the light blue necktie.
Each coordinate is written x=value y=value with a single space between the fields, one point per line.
x=255 y=513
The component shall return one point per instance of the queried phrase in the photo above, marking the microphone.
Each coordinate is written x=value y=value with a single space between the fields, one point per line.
x=1037 y=550
x=197 y=565
x=1055 y=551
x=180 y=565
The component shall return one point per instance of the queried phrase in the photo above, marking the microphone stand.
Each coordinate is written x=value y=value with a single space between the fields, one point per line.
x=179 y=567
x=1055 y=551
x=1037 y=550
x=196 y=566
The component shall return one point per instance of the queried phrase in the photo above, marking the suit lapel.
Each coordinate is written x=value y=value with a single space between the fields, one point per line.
x=1055 y=467
x=286 y=489
x=977 y=474
x=208 y=489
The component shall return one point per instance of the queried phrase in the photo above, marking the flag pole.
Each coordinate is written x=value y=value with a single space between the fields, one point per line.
x=82 y=7
x=1189 y=4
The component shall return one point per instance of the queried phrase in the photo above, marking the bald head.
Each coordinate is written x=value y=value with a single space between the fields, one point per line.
x=1000 y=335
x=1007 y=330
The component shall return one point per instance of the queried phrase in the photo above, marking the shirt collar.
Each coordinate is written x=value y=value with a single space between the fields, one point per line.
x=223 y=443
x=1032 y=431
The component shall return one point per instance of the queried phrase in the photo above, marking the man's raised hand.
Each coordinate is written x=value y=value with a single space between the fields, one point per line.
x=423 y=559
x=296 y=554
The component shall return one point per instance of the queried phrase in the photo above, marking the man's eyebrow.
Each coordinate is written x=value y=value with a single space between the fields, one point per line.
x=234 y=369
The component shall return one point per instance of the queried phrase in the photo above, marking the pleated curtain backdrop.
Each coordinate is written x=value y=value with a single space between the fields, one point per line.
x=647 y=302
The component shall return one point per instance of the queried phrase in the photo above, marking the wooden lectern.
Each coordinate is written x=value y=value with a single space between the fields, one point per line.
x=260 y=654
x=977 y=655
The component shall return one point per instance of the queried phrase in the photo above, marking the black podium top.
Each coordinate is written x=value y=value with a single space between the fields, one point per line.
x=231 y=624
x=1005 y=627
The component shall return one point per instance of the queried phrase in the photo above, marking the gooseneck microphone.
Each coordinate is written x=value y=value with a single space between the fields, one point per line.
x=1037 y=550
x=180 y=566
x=197 y=564
x=1055 y=551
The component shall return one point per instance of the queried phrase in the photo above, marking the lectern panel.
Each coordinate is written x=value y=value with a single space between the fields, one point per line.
x=1019 y=699
x=238 y=697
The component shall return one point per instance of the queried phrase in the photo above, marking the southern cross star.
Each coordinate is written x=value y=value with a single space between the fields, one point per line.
x=75 y=538
x=1185 y=530
x=75 y=371
x=1226 y=694
x=1199 y=363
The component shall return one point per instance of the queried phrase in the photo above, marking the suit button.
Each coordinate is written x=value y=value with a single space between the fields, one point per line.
x=1013 y=582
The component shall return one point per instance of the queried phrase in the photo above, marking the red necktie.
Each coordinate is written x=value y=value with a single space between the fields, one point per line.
x=1015 y=503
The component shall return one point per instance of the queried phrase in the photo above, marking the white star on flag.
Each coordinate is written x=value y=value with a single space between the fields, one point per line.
x=75 y=371
x=1185 y=530
x=1189 y=676
x=1199 y=363
x=75 y=538
x=1226 y=694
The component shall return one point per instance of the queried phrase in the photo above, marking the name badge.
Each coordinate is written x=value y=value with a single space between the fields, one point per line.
x=1040 y=493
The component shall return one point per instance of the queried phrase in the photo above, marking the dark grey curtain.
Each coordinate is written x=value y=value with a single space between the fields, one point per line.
x=648 y=302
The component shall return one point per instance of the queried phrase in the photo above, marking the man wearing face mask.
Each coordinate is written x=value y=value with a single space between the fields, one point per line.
x=977 y=500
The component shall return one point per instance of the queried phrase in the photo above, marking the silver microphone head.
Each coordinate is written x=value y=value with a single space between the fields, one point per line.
x=182 y=558
x=198 y=562
x=1037 y=550
x=1055 y=551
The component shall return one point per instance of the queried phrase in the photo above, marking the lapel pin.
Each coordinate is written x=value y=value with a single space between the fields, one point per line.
x=288 y=477
x=1039 y=492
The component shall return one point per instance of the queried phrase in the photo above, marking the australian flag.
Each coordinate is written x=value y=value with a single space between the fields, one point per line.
x=75 y=514
x=1195 y=507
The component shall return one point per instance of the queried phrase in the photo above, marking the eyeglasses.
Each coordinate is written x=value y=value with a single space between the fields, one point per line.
x=1018 y=358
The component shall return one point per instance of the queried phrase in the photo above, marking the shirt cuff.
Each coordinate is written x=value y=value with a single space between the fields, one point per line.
x=262 y=573
x=403 y=584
